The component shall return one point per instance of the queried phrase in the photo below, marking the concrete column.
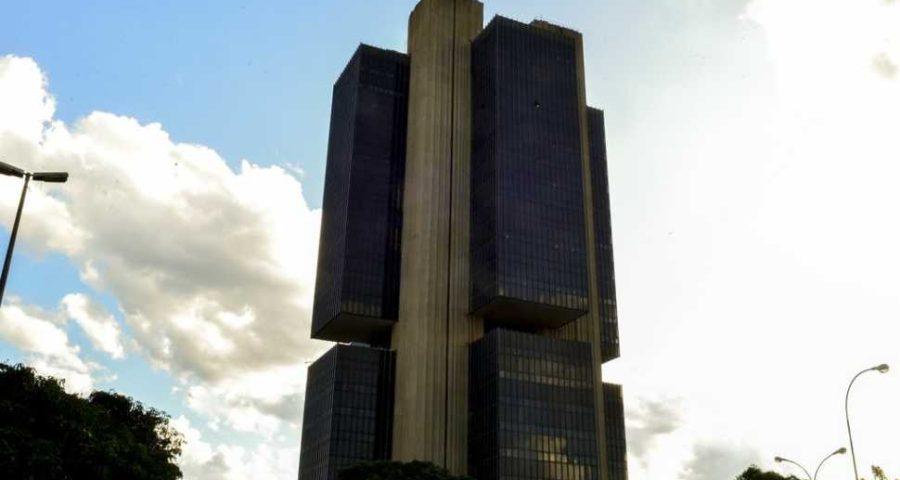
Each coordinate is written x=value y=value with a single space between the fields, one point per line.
x=430 y=412
x=463 y=328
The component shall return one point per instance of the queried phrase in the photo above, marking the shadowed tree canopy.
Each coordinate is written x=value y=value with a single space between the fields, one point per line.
x=754 y=473
x=46 y=433
x=397 y=471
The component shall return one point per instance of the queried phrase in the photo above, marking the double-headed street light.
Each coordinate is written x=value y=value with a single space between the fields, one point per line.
x=839 y=451
x=883 y=368
x=12 y=171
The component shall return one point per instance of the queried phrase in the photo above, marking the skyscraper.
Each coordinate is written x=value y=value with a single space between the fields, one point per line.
x=466 y=255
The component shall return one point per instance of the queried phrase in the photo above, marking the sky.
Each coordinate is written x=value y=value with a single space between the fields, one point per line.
x=754 y=157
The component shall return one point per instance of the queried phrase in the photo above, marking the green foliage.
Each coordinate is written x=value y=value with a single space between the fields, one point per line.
x=397 y=471
x=46 y=433
x=878 y=473
x=754 y=473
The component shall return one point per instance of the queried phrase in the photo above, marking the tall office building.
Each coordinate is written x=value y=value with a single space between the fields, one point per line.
x=465 y=260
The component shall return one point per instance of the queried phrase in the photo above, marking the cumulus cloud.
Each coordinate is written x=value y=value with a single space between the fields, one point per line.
x=718 y=462
x=257 y=402
x=25 y=99
x=42 y=336
x=649 y=420
x=99 y=325
x=213 y=269
x=201 y=460
x=884 y=66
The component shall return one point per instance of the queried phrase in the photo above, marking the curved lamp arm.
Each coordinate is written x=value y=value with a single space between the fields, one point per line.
x=839 y=451
x=782 y=459
x=883 y=368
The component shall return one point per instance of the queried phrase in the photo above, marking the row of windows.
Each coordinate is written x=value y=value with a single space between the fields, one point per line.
x=546 y=380
x=359 y=252
x=527 y=205
x=615 y=432
x=545 y=459
x=558 y=366
x=531 y=408
x=349 y=410
x=606 y=280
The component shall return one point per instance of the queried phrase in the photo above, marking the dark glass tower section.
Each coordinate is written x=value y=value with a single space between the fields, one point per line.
x=606 y=274
x=528 y=252
x=532 y=415
x=358 y=275
x=477 y=152
x=348 y=414
x=614 y=410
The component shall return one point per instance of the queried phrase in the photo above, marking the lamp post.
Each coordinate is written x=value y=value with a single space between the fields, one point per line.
x=12 y=171
x=782 y=459
x=839 y=451
x=883 y=368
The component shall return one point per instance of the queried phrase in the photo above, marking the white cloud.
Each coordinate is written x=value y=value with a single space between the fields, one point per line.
x=885 y=65
x=201 y=460
x=257 y=402
x=26 y=102
x=647 y=420
x=213 y=269
x=99 y=325
x=718 y=462
x=42 y=336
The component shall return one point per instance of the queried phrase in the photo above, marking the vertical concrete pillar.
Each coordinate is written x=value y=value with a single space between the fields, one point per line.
x=433 y=326
x=463 y=328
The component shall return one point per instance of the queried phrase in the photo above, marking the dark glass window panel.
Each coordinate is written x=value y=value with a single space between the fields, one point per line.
x=615 y=432
x=358 y=277
x=528 y=249
x=531 y=408
x=603 y=249
x=348 y=414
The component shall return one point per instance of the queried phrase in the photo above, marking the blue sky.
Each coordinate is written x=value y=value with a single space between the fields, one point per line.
x=184 y=64
x=752 y=170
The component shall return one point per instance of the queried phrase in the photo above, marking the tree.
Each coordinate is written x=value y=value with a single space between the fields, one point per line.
x=48 y=433
x=397 y=471
x=754 y=473
x=878 y=473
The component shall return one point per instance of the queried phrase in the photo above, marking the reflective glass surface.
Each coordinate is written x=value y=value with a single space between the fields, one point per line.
x=348 y=414
x=528 y=232
x=606 y=273
x=358 y=278
x=615 y=432
x=531 y=408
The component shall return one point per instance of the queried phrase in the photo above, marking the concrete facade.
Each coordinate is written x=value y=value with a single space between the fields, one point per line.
x=434 y=327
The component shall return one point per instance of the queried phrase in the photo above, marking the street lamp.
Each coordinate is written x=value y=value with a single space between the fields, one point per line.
x=839 y=451
x=12 y=171
x=883 y=368
x=782 y=459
